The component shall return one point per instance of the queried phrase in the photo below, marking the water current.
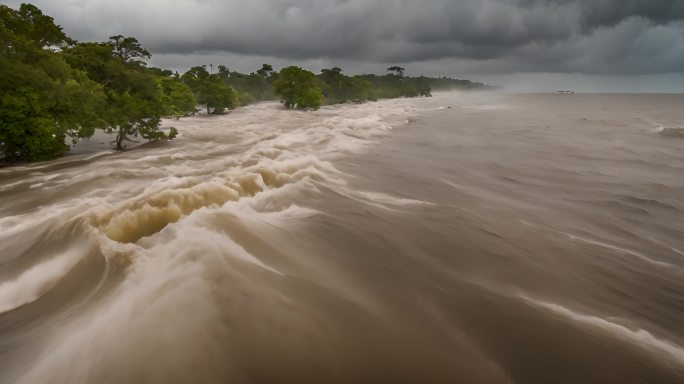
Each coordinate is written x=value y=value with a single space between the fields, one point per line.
x=464 y=238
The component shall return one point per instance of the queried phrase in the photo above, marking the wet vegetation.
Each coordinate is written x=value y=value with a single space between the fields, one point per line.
x=54 y=89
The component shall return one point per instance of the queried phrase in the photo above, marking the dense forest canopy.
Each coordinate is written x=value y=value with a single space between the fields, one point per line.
x=54 y=89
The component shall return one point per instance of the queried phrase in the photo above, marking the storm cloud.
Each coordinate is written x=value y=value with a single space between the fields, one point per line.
x=466 y=36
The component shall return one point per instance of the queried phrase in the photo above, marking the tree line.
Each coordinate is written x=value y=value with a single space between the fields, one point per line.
x=54 y=89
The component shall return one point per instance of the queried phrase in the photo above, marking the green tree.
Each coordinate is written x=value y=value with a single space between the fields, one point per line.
x=310 y=98
x=135 y=102
x=210 y=90
x=422 y=84
x=29 y=24
x=339 y=88
x=256 y=86
x=177 y=97
x=220 y=96
x=129 y=51
x=43 y=101
x=265 y=71
x=298 y=88
x=361 y=89
x=397 y=85
x=332 y=87
x=223 y=72
x=399 y=71
x=161 y=72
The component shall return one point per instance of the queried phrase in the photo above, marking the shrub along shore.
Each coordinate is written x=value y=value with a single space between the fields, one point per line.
x=54 y=89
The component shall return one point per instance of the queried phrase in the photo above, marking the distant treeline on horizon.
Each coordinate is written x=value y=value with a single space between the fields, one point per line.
x=53 y=88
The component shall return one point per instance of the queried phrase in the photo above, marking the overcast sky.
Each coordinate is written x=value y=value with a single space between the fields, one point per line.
x=586 y=45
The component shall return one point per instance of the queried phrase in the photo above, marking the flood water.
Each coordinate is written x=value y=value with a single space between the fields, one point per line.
x=465 y=238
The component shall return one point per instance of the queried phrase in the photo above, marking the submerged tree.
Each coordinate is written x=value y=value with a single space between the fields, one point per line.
x=210 y=90
x=256 y=86
x=339 y=88
x=298 y=88
x=52 y=88
x=134 y=100
x=423 y=86
x=177 y=97
x=43 y=101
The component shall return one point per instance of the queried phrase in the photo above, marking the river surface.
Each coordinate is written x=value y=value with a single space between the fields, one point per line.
x=465 y=238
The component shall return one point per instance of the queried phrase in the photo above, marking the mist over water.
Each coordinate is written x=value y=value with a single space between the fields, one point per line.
x=475 y=238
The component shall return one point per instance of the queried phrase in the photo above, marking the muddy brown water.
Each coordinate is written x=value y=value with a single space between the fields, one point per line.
x=472 y=238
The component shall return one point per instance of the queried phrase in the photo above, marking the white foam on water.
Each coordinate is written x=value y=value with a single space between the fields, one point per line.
x=37 y=280
x=202 y=238
x=618 y=249
x=291 y=214
x=283 y=148
x=58 y=214
x=98 y=154
x=386 y=199
x=639 y=337
x=191 y=291
x=9 y=186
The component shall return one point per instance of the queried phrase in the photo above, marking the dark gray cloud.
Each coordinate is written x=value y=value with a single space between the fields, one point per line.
x=601 y=13
x=459 y=36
